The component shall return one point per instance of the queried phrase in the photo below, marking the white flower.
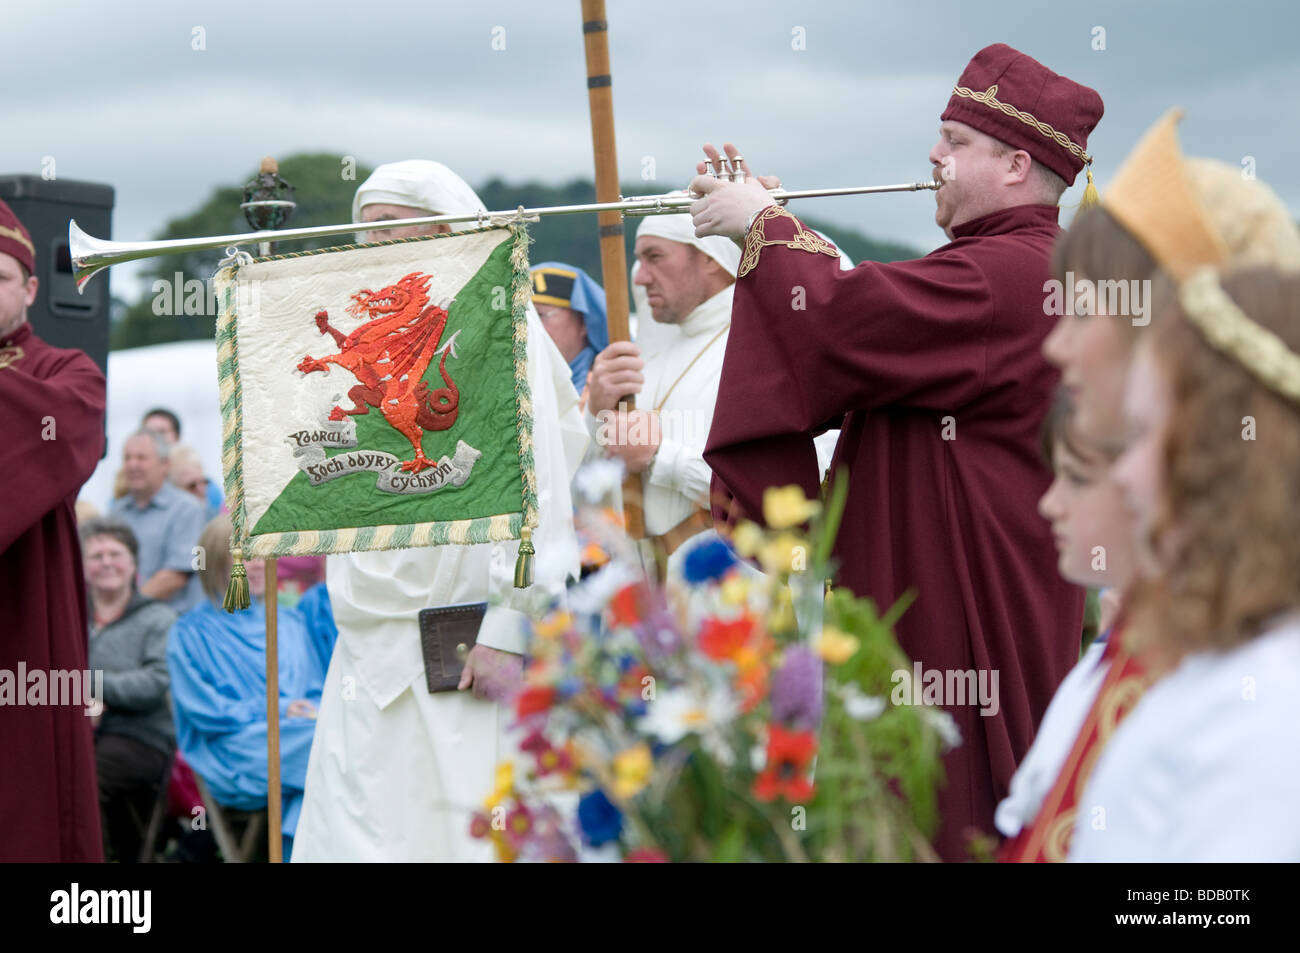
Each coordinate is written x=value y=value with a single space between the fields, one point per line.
x=675 y=713
x=594 y=593
x=948 y=731
x=861 y=707
x=595 y=482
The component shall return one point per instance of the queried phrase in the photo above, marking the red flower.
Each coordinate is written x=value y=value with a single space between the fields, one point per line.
x=752 y=686
x=627 y=606
x=645 y=855
x=479 y=825
x=533 y=700
x=632 y=683
x=549 y=758
x=723 y=640
x=788 y=755
x=519 y=825
x=535 y=743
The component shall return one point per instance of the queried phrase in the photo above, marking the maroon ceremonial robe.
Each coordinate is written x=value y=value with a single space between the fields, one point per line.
x=53 y=406
x=935 y=368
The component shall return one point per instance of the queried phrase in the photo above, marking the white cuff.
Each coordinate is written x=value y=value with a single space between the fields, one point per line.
x=663 y=468
x=504 y=629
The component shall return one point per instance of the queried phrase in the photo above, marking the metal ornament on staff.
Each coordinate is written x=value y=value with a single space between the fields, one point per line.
x=90 y=254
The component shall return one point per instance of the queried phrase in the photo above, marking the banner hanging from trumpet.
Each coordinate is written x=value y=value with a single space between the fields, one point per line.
x=376 y=396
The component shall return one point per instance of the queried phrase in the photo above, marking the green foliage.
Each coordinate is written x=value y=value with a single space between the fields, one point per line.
x=862 y=762
x=324 y=197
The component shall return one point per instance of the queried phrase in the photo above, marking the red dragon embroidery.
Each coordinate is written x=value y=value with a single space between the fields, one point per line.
x=389 y=355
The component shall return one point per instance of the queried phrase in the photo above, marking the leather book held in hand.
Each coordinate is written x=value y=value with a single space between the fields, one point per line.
x=446 y=635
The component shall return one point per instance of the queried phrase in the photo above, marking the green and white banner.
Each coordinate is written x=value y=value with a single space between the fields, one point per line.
x=376 y=396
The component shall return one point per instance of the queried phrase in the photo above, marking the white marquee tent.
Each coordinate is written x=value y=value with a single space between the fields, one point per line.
x=182 y=377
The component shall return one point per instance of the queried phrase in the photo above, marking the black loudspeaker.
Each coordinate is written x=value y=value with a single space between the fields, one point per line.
x=60 y=316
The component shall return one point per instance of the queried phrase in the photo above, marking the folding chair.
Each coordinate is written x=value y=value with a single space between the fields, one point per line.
x=235 y=849
x=157 y=815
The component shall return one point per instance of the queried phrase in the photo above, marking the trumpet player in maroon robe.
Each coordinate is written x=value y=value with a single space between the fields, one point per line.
x=53 y=434
x=933 y=368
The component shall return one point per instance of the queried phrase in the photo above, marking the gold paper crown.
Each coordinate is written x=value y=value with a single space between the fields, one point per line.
x=1153 y=197
x=1231 y=332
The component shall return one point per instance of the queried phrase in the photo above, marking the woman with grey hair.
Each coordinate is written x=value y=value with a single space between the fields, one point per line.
x=134 y=738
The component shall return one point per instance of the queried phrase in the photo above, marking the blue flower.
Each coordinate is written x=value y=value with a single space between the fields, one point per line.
x=709 y=560
x=601 y=821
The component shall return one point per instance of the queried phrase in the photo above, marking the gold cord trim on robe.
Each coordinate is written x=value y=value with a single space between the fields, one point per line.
x=721 y=331
x=804 y=240
x=1120 y=691
x=10 y=355
x=989 y=98
x=1231 y=332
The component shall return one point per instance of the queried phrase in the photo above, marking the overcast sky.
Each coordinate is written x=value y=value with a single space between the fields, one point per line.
x=117 y=93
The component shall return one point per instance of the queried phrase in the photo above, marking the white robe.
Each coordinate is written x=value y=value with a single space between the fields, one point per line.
x=1207 y=766
x=677 y=482
x=394 y=771
x=1053 y=743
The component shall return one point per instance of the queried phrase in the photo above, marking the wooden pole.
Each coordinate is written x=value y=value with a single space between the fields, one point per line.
x=613 y=254
x=275 y=845
x=274 y=813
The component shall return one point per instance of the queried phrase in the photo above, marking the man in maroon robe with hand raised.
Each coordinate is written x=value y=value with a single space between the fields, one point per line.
x=52 y=402
x=933 y=370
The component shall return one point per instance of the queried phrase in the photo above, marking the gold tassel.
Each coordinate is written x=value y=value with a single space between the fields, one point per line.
x=237 y=591
x=1090 y=197
x=524 y=564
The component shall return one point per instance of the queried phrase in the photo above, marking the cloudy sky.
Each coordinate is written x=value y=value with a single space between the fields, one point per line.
x=118 y=93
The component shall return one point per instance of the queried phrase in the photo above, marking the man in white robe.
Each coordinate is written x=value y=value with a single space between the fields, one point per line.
x=683 y=288
x=673 y=370
x=395 y=771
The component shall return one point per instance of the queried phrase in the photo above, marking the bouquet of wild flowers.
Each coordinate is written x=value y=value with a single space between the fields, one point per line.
x=734 y=715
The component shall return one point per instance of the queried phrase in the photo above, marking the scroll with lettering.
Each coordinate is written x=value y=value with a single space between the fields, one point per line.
x=376 y=396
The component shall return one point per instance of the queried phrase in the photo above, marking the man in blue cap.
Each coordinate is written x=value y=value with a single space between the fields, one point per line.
x=572 y=308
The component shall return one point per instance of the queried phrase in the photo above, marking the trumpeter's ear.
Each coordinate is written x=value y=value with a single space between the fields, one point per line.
x=1018 y=166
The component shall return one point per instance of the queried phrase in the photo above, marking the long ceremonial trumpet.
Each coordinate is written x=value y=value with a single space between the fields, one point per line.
x=90 y=254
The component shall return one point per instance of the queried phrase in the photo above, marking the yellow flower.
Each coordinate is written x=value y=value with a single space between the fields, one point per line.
x=555 y=624
x=747 y=659
x=504 y=786
x=786 y=553
x=786 y=506
x=835 y=646
x=632 y=771
x=782 y=618
x=505 y=853
x=735 y=590
x=747 y=538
